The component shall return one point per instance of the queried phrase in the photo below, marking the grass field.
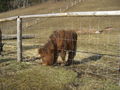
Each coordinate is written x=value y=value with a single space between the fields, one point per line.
x=89 y=71
x=97 y=61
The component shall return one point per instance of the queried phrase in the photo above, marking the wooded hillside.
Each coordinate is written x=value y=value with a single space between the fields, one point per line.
x=6 y=5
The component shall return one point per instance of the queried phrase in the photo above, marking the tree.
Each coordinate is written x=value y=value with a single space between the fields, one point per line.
x=4 y=5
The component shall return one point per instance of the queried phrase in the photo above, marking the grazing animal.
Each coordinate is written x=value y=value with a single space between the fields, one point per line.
x=60 y=42
x=47 y=53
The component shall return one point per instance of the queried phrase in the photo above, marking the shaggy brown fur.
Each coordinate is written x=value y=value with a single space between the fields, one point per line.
x=47 y=53
x=60 y=43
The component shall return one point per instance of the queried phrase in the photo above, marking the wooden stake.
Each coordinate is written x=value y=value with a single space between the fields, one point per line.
x=19 y=39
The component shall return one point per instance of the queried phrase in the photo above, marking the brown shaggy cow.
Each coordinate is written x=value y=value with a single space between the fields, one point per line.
x=60 y=42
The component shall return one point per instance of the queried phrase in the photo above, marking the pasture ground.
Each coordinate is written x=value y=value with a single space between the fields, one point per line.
x=95 y=66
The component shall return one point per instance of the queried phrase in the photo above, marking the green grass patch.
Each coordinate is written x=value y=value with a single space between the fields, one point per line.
x=37 y=77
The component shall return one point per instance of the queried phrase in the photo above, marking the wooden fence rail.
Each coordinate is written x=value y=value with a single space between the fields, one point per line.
x=83 y=14
x=67 y=14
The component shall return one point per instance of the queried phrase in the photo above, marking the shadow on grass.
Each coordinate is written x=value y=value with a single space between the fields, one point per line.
x=7 y=56
x=30 y=47
x=88 y=59
x=8 y=53
x=6 y=60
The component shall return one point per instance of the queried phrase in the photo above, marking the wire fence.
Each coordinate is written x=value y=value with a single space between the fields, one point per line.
x=9 y=40
x=98 y=43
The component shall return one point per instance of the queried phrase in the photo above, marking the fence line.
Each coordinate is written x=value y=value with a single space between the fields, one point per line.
x=81 y=51
x=8 y=19
x=67 y=14
x=83 y=14
x=91 y=13
x=61 y=9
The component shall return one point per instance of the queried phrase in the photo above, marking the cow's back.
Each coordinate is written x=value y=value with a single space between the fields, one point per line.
x=71 y=40
x=64 y=39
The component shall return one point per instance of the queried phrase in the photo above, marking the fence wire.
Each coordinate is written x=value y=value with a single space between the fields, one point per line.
x=9 y=40
x=98 y=43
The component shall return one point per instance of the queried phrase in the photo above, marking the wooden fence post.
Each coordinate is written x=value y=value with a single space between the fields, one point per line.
x=19 y=39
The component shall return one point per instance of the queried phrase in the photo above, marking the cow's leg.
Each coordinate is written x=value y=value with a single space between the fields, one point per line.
x=72 y=52
x=56 y=54
x=63 y=55
x=1 y=48
x=71 y=56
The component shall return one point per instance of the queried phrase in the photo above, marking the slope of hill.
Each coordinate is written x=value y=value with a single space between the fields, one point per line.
x=48 y=7
x=97 y=5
